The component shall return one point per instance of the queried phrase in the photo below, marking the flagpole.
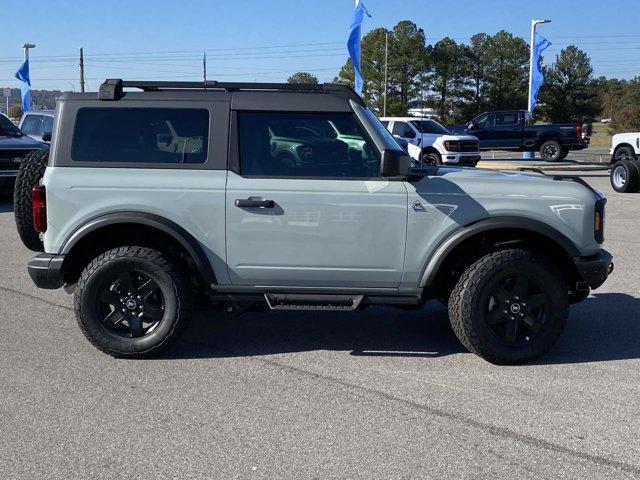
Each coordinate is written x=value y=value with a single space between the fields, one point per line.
x=534 y=24
x=386 y=69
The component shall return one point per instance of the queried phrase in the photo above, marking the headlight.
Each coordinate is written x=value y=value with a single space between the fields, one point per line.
x=452 y=146
x=598 y=220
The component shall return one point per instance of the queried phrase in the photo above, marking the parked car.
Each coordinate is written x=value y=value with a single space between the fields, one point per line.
x=605 y=120
x=512 y=130
x=139 y=233
x=432 y=144
x=38 y=124
x=625 y=170
x=14 y=147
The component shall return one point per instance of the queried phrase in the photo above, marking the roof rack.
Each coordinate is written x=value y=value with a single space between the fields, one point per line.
x=112 y=88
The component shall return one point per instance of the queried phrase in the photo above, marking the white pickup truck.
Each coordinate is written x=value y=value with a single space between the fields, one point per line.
x=432 y=144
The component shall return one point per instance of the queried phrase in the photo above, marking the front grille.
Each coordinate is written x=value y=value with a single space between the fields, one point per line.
x=468 y=146
x=7 y=156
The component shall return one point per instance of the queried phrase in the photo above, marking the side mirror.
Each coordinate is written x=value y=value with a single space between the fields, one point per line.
x=46 y=137
x=471 y=126
x=395 y=163
x=409 y=134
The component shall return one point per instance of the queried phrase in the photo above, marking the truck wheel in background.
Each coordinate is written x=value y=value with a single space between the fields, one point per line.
x=623 y=153
x=431 y=158
x=29 y=175
x=624 y=177
x=551 y=151
x=509 y=307
x=563 y=153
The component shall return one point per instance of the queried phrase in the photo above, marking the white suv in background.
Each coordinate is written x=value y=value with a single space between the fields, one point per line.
x=432 y=144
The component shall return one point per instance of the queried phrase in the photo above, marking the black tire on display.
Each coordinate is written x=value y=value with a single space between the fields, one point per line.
x=131 y=302
x=551 y=151
x=624 y=177
x=29 y=175
x=431 y=158
x=509 y=307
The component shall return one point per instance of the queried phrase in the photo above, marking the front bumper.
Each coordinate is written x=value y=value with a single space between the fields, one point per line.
x=463 y=159
x=46 y=270
x=594 y=270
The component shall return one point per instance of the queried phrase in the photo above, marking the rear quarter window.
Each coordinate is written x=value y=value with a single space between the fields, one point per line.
x=141 y=135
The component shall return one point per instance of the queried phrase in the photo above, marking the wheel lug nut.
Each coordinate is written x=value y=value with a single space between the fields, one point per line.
x=504 y=311
x=513 y=318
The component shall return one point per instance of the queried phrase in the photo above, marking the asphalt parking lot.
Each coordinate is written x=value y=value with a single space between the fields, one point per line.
x=377 y=394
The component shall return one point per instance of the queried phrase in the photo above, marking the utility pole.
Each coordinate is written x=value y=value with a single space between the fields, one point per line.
x=534 y=24
x=204 y=66
x=81 y=66
x=386 y=70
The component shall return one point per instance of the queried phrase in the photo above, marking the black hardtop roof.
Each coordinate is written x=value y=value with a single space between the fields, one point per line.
x=113 y=89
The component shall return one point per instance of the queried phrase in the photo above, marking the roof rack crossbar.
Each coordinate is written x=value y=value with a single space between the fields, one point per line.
x=112 y=88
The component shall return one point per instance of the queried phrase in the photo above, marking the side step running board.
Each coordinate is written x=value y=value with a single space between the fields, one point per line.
x=292 y=301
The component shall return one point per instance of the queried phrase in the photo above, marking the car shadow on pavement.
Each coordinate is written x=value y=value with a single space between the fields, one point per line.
x=380 y=331
x=605 y=327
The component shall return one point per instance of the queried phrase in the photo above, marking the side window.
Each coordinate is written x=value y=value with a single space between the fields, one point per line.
x=141 y=135
x=385 y=123
x=399 y=128
x=305 y=145
x=31 y=124
x=46 y=126
x=506 y=119
x=485 y=120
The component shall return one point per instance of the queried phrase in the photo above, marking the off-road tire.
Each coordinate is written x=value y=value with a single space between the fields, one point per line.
x=29 y=175
x=431 y=158
x=178 y=301
x=624 y=177
x=468 y=318
x=624 y=153
x=551 y=151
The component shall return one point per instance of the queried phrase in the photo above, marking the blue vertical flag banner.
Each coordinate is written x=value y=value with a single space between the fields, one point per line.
x=23 y=75
x=540 y=44
x=353 y=44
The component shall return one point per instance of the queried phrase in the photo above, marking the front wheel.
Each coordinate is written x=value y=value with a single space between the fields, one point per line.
x=551 y=151
x=431 y=159
x=624 y=177
x=509 y=307
x=131 y=302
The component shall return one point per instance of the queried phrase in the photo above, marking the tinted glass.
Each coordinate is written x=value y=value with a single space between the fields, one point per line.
x=47 y=125
x=428 y=126
x=31 y=124
x=399 y=128
x=7 y=127
x=506 y=118
x=141 y=135
x=484 y=120
x=305 y=145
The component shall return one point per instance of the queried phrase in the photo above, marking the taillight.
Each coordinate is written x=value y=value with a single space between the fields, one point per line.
x=39 y=207
x=579 y=132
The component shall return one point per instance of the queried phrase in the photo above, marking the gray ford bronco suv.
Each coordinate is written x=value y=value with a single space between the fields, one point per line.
x=156 y=195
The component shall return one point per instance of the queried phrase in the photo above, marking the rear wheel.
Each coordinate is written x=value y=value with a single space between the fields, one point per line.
x=509 y=306
x=30 y=173
x=551 y=151
x=131 y=302
x=624 y=177
x=623 y=153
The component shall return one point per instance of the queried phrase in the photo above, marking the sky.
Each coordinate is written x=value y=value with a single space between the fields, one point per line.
x=271 y=39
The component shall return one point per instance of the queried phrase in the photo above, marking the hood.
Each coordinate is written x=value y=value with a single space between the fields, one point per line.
x=20 y=142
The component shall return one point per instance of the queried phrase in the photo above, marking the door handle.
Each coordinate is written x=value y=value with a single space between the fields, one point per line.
x=255 y=202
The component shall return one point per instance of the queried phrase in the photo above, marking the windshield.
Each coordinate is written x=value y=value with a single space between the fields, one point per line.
x=375 y=123
x=428 y=126
x=8 y=128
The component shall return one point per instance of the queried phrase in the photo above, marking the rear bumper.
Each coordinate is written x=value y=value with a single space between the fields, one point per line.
x=594 y=270
x=46 y=270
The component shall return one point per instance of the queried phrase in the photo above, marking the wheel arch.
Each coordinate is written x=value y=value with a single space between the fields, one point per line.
x=150 y=229
x=619 y=146
x=490 y=233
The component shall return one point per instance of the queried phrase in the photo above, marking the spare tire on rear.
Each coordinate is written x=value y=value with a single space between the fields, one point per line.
x=29 y=175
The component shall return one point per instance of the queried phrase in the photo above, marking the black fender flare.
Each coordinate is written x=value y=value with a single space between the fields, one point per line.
x=496 y=223
x=182 y=236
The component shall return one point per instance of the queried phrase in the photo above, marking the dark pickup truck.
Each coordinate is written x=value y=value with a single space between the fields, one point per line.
x=511 y=130
x=14 y=146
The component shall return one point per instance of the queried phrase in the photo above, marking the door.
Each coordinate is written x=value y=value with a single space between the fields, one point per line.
x=482 y=129
x=311 y=211
x=507 y=129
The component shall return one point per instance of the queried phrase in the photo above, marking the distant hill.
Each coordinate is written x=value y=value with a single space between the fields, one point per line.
x=41 y=98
